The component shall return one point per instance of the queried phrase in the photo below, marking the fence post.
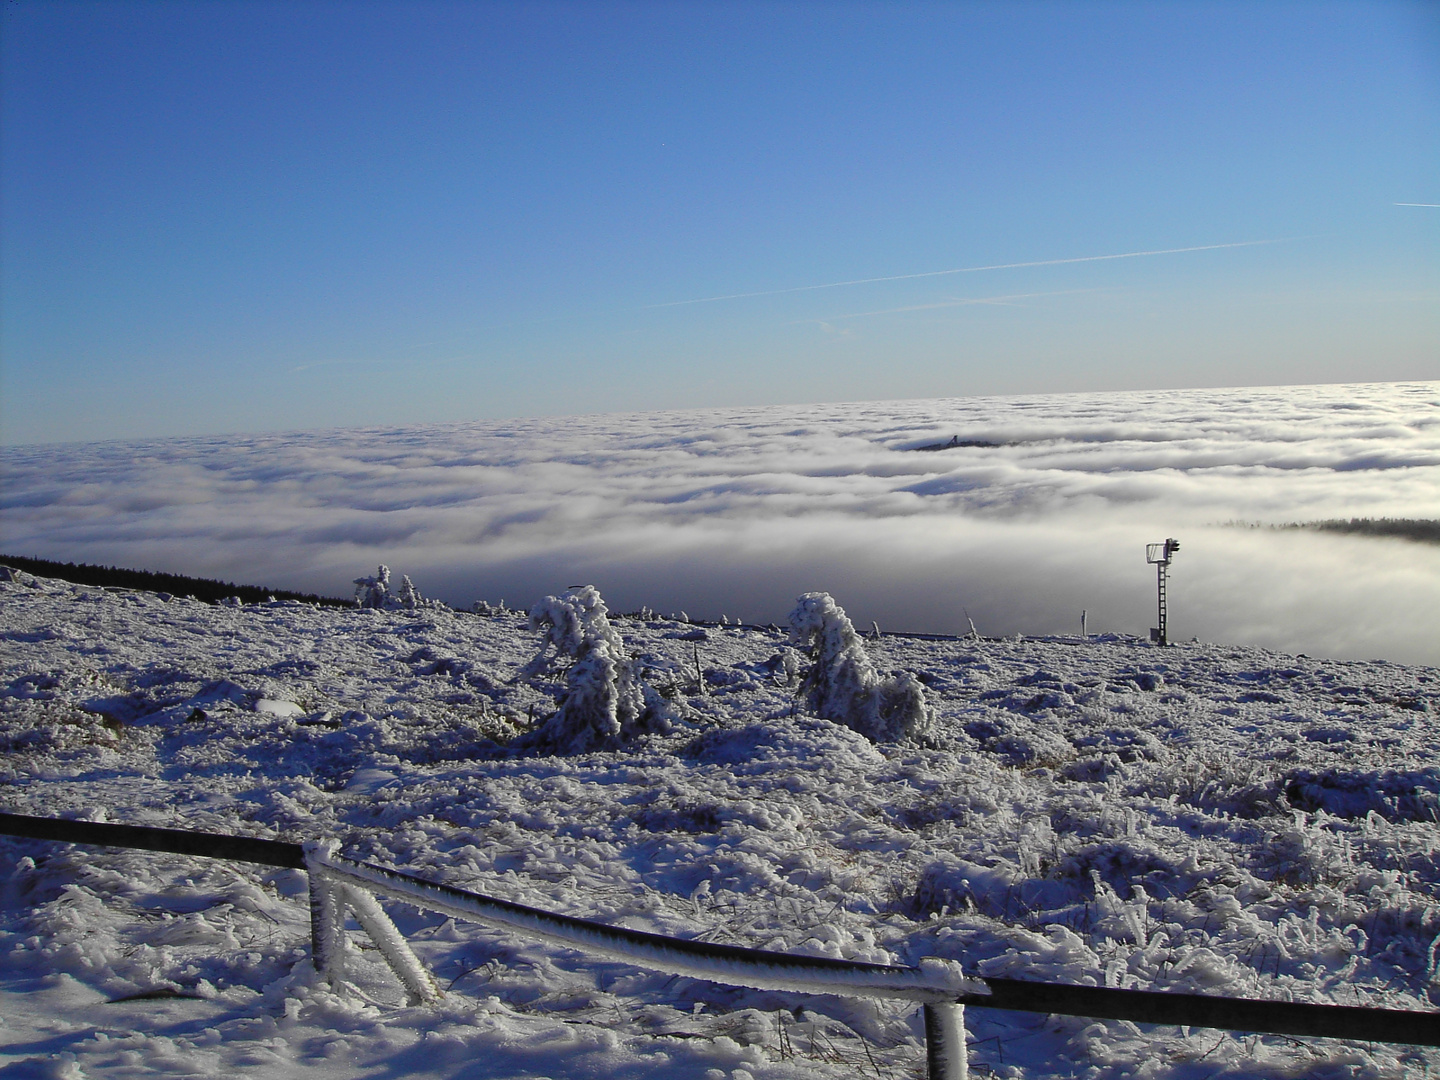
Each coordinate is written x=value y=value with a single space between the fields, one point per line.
x=327 y=915
x=945 y=1051
x=407 y=967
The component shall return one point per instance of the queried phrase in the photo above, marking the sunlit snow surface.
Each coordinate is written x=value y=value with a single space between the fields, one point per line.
x=737 y=511
x=1204 y=818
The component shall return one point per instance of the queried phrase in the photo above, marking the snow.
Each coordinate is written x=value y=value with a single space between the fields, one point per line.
x=1204 y=818
x=271 y=707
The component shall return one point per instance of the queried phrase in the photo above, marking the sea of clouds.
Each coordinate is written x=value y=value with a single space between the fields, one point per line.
x=736 y=511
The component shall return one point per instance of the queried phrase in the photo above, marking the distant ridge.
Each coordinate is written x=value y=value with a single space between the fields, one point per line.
x=955 y=442
x=207 y=589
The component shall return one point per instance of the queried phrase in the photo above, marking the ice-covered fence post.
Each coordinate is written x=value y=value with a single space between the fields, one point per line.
x=327 y=916
x=329 y=899
x=406 y=965
x=945 y=1051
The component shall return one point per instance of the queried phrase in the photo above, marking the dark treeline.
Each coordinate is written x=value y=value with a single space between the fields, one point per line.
x=1426 y=530
x=176 y=584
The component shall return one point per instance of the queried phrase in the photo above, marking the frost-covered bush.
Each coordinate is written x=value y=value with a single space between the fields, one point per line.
x=604 y=702
x=842 y=684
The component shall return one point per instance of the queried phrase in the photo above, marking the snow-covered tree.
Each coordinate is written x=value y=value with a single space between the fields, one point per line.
x=373 y=592
x=604 y=702
x=573 y=624
x=408 y=597
x=842 y=684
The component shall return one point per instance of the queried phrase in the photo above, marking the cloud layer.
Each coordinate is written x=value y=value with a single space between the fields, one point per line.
x=735 y=511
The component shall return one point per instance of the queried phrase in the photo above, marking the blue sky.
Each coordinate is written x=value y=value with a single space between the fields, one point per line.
x=247 y=216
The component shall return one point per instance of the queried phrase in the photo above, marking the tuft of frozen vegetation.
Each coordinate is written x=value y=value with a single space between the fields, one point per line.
x=604 y=701
x=842 y=684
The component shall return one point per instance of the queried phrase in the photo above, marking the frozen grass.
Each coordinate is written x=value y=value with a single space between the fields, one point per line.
x=1203 y=818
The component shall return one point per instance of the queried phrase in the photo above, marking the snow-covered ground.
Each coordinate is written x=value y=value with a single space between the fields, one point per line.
x=1203 y=818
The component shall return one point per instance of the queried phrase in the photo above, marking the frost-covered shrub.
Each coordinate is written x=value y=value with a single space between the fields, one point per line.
x=842 y=684
x=604 y=701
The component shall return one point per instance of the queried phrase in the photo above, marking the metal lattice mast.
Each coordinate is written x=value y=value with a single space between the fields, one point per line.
x=1160 y=569
x=1160 y=554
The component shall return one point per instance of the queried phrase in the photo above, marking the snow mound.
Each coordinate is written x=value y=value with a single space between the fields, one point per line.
x=776 y=741
x=275 y=707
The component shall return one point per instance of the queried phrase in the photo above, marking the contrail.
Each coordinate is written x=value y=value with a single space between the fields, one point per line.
x=1433 y=204
x=963 y=270
x=965 y=302
x=323 y=363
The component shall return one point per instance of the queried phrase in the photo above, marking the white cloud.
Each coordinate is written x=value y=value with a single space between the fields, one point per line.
x=738 y=510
